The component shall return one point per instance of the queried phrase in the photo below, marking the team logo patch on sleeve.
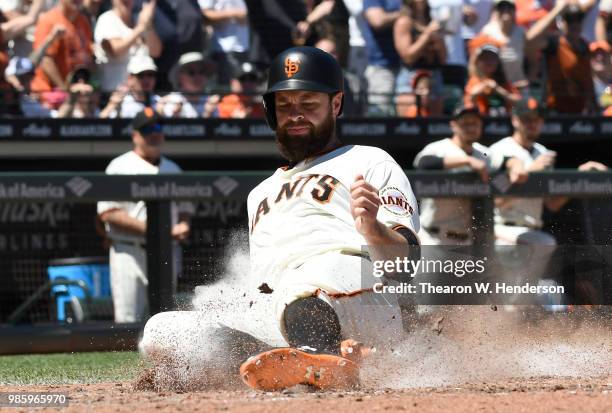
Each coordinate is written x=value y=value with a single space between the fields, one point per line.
x=394 y=201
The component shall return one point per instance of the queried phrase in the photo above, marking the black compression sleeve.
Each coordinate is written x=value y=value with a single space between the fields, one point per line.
x=408 y=234
x=430 y=162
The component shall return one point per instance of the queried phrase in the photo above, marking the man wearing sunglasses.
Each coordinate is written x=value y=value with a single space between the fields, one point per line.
x=189 y=81
x=125 y=222
x=138 y=93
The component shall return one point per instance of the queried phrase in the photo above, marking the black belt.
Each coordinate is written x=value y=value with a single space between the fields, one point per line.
x=132 y=243
x=515 y=224
x=449 y=234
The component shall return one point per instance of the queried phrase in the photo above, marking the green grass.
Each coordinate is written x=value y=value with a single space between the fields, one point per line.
x=69 y=368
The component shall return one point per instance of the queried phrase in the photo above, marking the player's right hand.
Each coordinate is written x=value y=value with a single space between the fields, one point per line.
x=180 y=231
x=592 y=166
x=518 y=175
x=480 y=166
x=364 y=205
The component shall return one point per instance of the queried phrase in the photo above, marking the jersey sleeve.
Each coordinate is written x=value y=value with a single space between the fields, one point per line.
x=429 y=150
x=399 y=207
x=104 y=206
x=495 y=160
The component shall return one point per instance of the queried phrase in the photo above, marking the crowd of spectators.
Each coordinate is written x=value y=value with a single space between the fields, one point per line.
x=207 y=58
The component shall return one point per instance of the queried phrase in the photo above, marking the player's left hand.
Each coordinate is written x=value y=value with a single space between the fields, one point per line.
x=592 y=166
x=364 y=206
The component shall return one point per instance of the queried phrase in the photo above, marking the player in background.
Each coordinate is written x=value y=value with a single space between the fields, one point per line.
x=308 y=223
x=519 y=220
x=448 y=221
x=125 y=221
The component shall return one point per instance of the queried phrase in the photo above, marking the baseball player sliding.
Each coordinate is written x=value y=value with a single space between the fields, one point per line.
x=308 y=223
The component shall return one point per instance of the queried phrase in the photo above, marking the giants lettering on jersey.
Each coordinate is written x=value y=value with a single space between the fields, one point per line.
x=323 y=187
x=394 y=201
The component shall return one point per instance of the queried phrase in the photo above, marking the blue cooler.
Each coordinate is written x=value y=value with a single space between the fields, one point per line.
x=94 y=271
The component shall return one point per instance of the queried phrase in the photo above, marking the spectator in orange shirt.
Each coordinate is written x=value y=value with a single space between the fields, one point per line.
x=244 y=102
x=488 y=88
x=569 y=79
x=73 y=49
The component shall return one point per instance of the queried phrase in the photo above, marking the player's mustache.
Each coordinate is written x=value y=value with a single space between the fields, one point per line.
x=297 y=124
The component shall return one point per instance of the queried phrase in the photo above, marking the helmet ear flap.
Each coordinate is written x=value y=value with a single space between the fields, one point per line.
x=270 y=110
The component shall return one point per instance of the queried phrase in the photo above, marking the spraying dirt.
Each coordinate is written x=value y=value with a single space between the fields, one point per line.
x=445 y=346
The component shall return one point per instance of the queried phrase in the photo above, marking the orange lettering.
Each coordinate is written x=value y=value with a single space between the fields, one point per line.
x=325 y=189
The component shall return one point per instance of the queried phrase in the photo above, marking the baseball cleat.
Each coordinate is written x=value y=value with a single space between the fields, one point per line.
x=283 y=368
x=355 y=350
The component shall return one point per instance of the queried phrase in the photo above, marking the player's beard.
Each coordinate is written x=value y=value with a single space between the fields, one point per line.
x=298 y=148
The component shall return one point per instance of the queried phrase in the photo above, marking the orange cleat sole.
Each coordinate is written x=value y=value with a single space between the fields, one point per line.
x=283 y=368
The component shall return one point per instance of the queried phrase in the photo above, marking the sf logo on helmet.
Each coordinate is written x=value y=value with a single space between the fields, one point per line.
x=292 y=66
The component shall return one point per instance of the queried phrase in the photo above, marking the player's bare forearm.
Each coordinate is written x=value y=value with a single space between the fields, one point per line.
x=50 y=68
x=384 y=242
x=120 y=219
x=383 y=235
x=451 y=161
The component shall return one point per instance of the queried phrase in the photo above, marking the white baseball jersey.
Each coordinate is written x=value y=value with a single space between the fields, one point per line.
x=520 y=211
x=304 y=211
x=450 y=214
x=131 y=164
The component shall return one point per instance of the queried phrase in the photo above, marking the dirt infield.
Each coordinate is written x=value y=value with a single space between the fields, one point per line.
x=461 y=360
x=524 y=395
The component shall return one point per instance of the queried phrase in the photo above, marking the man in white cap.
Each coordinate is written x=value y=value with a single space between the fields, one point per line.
x=127 y=101
x=190 y=78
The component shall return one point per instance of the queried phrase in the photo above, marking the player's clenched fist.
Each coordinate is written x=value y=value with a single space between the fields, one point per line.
x=364 y=206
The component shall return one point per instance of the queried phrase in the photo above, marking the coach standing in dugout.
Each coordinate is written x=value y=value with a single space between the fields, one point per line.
x=126 y=222
x=448 y=221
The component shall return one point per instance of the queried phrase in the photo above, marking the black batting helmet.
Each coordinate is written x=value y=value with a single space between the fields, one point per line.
x=302 y=68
